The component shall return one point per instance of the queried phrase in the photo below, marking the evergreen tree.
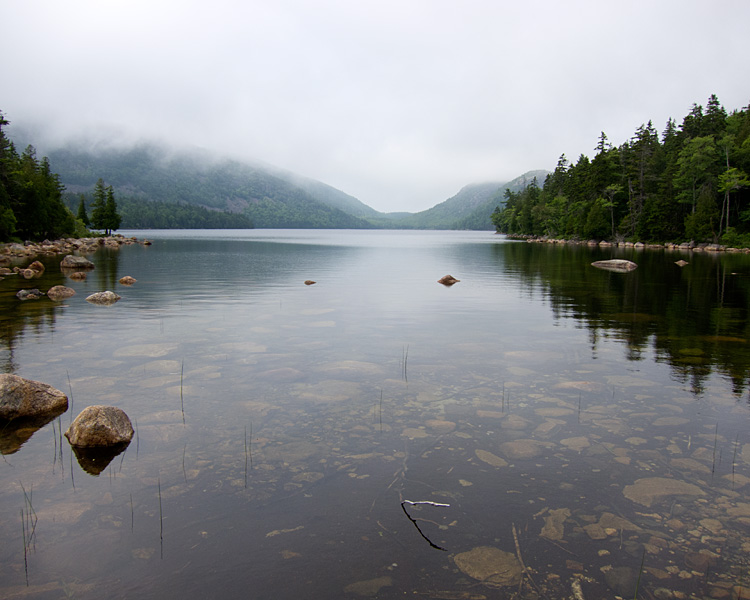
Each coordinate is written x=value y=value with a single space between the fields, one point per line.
x=82 y=216
x=99 y=207
x=112 y=217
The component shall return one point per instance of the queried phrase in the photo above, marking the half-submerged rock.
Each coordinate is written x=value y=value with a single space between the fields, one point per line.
x=310 y=282
x=448 y=280
x=76 y=262
x=34 y=294
x=619 y=265
x=103 y=298
x=127 y=280
x=99 y=426
x=21 y=397
x=60 y=292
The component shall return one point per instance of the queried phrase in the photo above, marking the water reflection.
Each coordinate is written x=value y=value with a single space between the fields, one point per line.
x=695 y=318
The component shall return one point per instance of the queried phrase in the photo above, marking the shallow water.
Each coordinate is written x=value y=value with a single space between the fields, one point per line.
x=582 y=421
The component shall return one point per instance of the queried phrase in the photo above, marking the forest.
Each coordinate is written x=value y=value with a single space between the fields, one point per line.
x=31 y=202
x=689 y=183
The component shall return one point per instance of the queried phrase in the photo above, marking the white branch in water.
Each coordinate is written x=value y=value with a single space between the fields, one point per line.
x=424 y=502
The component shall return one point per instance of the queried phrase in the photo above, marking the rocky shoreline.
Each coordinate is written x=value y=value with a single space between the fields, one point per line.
x=87 y=245
x=689 y=246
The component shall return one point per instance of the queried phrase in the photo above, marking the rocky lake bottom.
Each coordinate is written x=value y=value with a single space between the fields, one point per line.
x=305 y=442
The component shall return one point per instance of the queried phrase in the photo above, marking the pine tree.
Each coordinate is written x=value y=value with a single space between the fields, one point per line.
x=82 y=216
x=99 y=207
x=112 y=217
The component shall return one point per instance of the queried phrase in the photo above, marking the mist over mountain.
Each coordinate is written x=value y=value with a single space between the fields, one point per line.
x=146 y=174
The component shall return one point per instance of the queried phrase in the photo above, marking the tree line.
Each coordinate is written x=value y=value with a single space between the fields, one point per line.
x=689 y=183
x=31 y=204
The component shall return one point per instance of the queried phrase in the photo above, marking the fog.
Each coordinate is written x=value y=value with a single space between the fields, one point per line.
x=399 y=104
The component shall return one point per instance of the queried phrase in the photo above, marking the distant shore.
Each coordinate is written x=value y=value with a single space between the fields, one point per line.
x=688 y=246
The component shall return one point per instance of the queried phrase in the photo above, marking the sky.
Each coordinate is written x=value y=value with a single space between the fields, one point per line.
x=397 y=103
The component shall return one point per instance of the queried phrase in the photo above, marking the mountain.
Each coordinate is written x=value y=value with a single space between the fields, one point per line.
x=269 y=198
x=470 y=208
x=187 y=183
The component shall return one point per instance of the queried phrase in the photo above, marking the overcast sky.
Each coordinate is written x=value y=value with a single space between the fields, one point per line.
x=398 y=103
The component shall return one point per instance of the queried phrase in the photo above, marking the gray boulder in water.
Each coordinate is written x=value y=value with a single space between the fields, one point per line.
x=98 y=426
x=76 y=262
x=21 y=397
x=103 y=298
x=619 y=265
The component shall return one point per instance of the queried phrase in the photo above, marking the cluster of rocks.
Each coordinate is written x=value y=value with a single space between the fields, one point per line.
x=691 y=246
x=74 y=266
x=67 y=246
x=97 y=434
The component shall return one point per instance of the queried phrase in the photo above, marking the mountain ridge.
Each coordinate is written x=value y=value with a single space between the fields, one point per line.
x=271 y=197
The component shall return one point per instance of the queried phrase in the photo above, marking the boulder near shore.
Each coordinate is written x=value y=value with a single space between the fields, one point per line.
x=21 y=397
x=98 y=426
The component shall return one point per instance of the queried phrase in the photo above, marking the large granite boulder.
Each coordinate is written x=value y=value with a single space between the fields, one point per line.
x=21 y=397
x=99 y=426
x=76 y=262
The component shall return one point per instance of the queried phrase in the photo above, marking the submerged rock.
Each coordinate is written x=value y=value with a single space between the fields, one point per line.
x=21 y=397
x=448 y=280
x=100 y=426
x=490 y=565
x=77 y=276
x=618 y=265
x=648 y=490
x=103 y=298
x=34 y=294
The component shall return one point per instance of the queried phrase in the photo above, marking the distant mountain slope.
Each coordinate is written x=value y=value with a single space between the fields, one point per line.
x=480 y=216
x=470 y=208
x=153 y=173
x=268 y=196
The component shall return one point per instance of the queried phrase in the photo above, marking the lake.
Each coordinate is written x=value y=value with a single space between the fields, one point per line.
x=541 y=428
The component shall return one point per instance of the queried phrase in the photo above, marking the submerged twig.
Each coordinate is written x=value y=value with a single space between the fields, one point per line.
x=523 y=565
x=428 y=540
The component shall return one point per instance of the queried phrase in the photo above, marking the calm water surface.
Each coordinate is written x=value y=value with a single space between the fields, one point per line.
x=590 y=426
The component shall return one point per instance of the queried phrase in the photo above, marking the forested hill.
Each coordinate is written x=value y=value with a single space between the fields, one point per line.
x=691 y=183
x=149 y=173
x=470 y=208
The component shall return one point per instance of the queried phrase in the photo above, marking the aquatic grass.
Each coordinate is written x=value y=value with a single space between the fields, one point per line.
x=404 y=360
x=182 y=402
x=161 y=522
x=184 y=473
x=246 y=456
x=28 y=528
x=132 y=513
x=640 y=572
x=716 y=437
x=70 y=395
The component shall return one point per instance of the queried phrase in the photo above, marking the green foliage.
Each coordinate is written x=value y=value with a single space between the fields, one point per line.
x=267 y=197
x=31 y=204
x=142 y=214
x=691 y=184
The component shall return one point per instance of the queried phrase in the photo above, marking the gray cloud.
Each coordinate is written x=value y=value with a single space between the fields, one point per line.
x=397 y=103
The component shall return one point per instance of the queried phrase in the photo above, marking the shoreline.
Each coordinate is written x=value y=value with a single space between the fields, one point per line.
x=87 y=245
x=686 y=246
